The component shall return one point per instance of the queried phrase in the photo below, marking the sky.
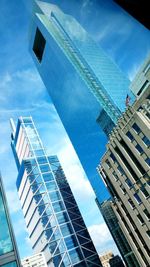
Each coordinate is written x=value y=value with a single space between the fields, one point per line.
x=22 y=93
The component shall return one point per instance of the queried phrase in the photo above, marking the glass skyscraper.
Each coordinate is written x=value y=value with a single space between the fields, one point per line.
x=52 y=217
x=83 y=82
x=8 y=249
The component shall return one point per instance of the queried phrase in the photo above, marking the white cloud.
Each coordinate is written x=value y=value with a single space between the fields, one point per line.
x=74 y=172
x=13 y=201
x=102 y=238
x=133 y=71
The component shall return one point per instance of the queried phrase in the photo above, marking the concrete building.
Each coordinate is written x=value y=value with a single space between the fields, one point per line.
x=142 y=79
x=36 y=260
x=81 y=80
x=119 y=237
x=125 y=168
x=52 y=216
x=9 y=256
x=116 y=261
x=109 y=260
x=105 y=258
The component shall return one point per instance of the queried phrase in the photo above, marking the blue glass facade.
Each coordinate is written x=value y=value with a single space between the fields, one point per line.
x=53 y=220
x=81 y=81
x=8 y=251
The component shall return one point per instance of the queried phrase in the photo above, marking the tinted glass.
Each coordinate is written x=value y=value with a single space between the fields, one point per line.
x=5 y=240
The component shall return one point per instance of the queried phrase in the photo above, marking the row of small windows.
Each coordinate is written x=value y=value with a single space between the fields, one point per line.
x=138 y=130
x=128 y=182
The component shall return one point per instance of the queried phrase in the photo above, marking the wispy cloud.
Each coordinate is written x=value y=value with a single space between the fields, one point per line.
x=13 y=200
x=102 y=238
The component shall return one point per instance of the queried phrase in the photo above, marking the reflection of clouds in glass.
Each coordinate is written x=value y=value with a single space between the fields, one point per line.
x=5 y=240
x=5 y=245
x=75 y=30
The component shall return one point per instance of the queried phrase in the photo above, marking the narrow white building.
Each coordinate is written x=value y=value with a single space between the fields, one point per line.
x=36 y=260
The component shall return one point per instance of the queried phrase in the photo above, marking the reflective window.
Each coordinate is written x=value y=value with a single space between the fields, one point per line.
x=51 y=186
x=75 y=255
x=44 y=168
x=113 y=157
x=42 y=160
x=128 y=182
x=71 y=242
x=62 y=217
x=54 y=196
x=47 y=177
x=139 y=148
x=146 y=141
x=147 y=160
x=130 y=136
x=5 y=239
x=136 y=128
x=120 y=170
x=66 y=229
x=138 y=199
x=10 y=264
x=39 y=152
x=27 y=120
x=58 y=206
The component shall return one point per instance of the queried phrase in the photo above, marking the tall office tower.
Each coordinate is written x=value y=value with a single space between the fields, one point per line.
x=80 y=78
x=52 y=217
x=125 y=168
x=9 y=256
x=142 y=79
x=36 y=260
x=117 y=233
x=116 y=261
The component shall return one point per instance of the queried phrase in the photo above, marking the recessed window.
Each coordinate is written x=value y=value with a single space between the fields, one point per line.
x=131 y=203
x=139 y=148
x=144 y=191
x=147 y=160
x=146 y=141
x=138 y=199
x=120 y=170
x=128 y=182
x=108 y=163
x=148 y=233
x=113 y=157
x=140 y=218
x=136 y=128
x=130 y=136
x=123 y=189
x=146 y=214
x=39 y=45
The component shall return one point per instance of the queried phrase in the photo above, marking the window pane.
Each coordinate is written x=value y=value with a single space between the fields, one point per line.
x=48 y=177
x=146 y=141
x=136 y=128
x=62 y=217
x=54 y=196
x=44 y=168
x=51 y=186
x=5 y=239
x=130 y=136
x=10 y=264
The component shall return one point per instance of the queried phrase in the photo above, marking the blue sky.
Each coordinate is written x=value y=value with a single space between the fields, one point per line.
x=22 y=93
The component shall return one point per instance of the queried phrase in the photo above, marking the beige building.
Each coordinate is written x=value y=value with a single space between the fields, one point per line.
x=125 y=169
x=36 y=260
x=105 y=258
x=142 y=79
